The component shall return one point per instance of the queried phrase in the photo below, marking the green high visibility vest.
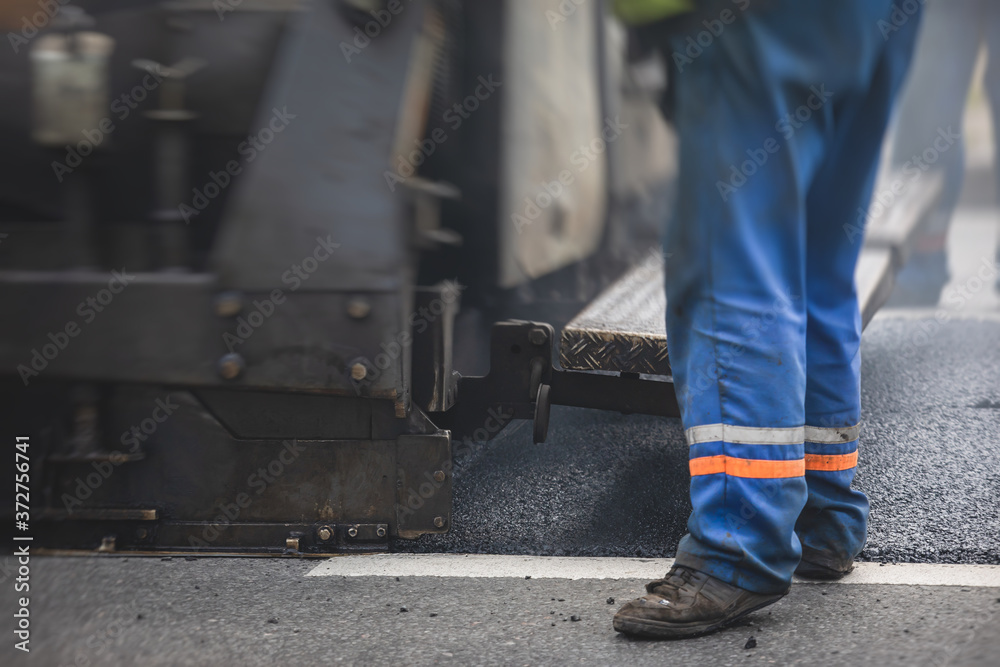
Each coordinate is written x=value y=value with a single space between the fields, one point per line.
x=637 y=12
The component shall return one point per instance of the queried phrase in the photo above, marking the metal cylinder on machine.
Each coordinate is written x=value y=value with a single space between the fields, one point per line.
x=69 y=73
x=70 y=81
x=171 y=159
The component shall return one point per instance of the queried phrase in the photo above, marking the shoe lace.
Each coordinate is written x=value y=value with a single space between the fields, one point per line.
x=677 y=578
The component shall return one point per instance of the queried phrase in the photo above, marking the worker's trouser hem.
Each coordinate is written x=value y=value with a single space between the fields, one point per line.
x=730 y=573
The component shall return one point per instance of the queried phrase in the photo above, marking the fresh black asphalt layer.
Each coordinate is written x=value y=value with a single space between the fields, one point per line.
x=607 y=484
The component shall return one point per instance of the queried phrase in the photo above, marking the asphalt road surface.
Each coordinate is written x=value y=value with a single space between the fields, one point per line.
x=147 y=611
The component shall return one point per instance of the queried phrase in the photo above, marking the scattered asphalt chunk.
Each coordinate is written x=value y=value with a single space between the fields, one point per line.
x=403 y=610
x=562 y=599
x=528 y=576
x=574 y=618
x=197 y=587
x=553 y=625
x=611 y=600
x=273 y=621
x=751 y=643
x=139 y=617
x=433 y=614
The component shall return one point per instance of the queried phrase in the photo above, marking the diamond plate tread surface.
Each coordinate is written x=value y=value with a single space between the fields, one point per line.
x=623 y=330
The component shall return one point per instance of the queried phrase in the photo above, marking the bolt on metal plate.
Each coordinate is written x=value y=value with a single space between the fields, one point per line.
x=363 y=532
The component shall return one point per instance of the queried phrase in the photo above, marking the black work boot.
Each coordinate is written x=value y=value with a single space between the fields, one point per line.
x=816 y=564
x=687 y=603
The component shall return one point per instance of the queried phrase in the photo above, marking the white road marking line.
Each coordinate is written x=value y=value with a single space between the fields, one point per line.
x=486 y=566
x=544 y=567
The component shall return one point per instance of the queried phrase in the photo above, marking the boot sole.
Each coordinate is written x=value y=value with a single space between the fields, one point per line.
x=651 y=629
x=815 y=571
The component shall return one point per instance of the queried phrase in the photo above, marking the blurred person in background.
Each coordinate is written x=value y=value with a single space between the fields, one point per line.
x=781 y=108
x=952 y=35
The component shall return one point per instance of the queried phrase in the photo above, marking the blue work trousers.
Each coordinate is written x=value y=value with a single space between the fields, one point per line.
x=780 y=114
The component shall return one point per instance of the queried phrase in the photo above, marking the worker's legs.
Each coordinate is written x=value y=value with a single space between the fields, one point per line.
x=933 y=101
x=735 y=324
x=755 y=113
x=833 y=525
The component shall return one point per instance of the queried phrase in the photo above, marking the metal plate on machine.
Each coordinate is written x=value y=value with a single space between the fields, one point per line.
x=200 y=487
x=323 y=176
x=553 y=170
x=623 y=329
x=423 y=485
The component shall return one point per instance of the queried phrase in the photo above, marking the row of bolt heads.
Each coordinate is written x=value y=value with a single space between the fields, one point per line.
x=325 y=533
x=230 y=304
x=231 y=366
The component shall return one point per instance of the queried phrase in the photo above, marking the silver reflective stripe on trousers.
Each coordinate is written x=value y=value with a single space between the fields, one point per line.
x=763 y=435
x=831 y=436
